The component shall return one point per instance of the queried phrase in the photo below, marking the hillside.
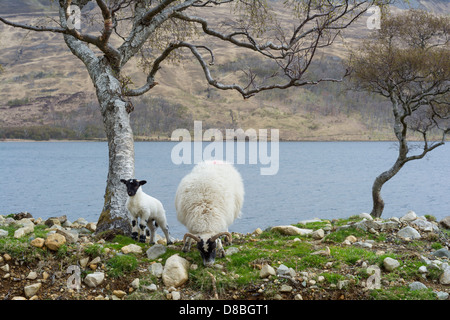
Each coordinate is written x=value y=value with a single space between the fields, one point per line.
x=44 y=86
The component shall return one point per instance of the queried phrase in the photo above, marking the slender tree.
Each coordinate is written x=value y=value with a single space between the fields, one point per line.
x=158 y=30
x=408 y=62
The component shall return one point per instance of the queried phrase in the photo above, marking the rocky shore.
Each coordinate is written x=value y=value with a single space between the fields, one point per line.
x=358 y=258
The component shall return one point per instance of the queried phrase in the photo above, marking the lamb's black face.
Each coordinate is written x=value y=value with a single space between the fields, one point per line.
x=133 y=185
x=207 y=251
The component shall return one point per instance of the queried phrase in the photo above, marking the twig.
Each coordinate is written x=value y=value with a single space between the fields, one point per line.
x=213 y=279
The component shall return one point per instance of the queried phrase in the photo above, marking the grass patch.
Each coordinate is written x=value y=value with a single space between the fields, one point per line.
x=403 y=293
x=340 y=235
x=121 y=264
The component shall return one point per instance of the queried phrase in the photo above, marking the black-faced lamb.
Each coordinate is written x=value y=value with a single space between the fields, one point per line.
x=207 y=201
x=146 y=210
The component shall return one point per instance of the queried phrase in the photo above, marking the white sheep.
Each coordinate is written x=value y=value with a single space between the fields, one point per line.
x=207 y=202
x=147 y=209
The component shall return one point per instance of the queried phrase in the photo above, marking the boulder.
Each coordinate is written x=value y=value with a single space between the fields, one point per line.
x=416 y=285
x=424 y=225
x=445 y=223
x=71 y=236
x=22 y=215
x=409 y=232
x=55 y=241
x=175 y=271
x=442 y=253
x=52 y=221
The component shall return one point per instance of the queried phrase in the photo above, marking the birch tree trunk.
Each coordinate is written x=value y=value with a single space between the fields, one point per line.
x=116 y=120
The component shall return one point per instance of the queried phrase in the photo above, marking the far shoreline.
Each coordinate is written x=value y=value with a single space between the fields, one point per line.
x=168 y=140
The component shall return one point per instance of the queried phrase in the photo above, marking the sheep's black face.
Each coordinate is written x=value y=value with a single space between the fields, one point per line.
x=207 y=251
x=133 y=185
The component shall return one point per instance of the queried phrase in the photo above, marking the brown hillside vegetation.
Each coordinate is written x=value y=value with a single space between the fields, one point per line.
x=43 y=85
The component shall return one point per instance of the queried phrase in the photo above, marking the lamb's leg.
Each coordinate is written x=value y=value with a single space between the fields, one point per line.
x=134 y=230
x=142 y=226
x=152 y=228
x=165 y=228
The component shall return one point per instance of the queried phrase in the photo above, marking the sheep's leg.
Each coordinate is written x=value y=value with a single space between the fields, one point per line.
x=220 y=249
x=142 y=226
x=187 y=245
x=152 y=228
x=134 y=232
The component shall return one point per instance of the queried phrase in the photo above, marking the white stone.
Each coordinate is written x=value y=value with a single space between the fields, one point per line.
x=409 y=216
x=390 y=264
x=409 y=232
x=445 y=277
x=425 y=225
x=28 y=228
x=176 y=295
x=267 y=271
x=156 y=269
x=175 y=271
x=423 y=269
x=282 y=270
x=135 y=283
x=94 y=279
x=3 y=233
x=32 y=289
x=5 y=268
x=318 y=234
x=131 y=248
x=291 y=230
x=285 y=288
x=32 y=275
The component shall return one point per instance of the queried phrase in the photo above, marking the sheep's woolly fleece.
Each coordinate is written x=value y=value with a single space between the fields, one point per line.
x=209 y=198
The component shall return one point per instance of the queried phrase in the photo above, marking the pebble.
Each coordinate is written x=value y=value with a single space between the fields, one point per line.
x=32 y=289
x=267 y=271
x=285 y=288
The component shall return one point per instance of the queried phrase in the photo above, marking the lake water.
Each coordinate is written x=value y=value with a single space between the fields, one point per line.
x=315 y=179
